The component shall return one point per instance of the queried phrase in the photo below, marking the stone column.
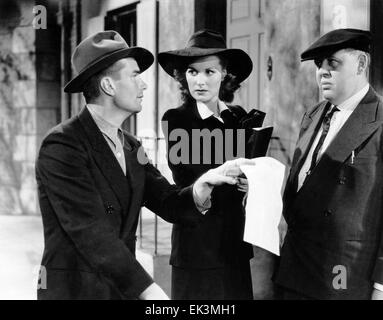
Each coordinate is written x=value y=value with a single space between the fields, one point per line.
x=29 y=99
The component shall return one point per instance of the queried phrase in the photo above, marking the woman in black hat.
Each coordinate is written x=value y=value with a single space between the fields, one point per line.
x=209 y=261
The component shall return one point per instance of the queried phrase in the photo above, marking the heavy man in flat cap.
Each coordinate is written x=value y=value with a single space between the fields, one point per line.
x=333 y=201
x=93 y=179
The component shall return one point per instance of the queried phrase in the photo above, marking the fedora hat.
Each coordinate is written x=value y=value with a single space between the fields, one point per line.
x=205 y=43
x=98 y=52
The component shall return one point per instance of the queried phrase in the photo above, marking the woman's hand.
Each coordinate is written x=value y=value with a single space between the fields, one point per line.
x=242 y=185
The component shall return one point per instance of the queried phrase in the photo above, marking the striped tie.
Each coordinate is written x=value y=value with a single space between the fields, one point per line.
x=326 y=128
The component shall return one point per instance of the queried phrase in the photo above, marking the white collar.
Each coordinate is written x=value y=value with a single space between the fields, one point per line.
x=205 y=112
x=351 y=103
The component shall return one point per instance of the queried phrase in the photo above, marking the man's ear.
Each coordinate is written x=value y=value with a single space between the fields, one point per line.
x=224 y=74
x=107 y=86
x=362 y=63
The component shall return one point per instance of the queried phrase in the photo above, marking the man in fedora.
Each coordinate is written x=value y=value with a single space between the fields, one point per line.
x=333 y=201
x=93 y=179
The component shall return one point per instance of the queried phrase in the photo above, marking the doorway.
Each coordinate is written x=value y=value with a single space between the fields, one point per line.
x=246 y=31
x=124 y=21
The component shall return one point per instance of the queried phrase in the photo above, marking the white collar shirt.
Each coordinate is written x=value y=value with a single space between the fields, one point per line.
x=205 y=112
x=339 y=118
x=112 y=134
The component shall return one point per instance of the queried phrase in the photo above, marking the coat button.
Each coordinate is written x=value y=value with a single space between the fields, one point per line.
x=328 y=213
x=342 y=180
x=109 y=209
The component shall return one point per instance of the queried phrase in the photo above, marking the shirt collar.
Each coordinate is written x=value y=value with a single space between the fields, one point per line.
x=205 y=112
x=351 y=103
x=105 y=127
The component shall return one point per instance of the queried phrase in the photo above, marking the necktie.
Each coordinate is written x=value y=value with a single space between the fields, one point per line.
x=325 y=128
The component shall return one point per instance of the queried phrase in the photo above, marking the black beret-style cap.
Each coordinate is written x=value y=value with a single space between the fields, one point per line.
x=336 y=40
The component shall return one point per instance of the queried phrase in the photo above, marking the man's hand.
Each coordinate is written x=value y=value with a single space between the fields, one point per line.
x=224 y=174
x=153 y=292
x=377 y=295
x=203 y=187
x=215 y=178
x=232 y=167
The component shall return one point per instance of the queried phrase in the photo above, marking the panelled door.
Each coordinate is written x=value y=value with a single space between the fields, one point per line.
x=246 y=31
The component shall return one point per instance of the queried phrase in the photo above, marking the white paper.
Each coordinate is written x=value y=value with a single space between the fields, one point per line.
x=264 y=203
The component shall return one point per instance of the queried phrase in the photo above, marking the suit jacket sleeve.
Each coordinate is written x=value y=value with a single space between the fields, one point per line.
x=171 y=203
x=63 y=172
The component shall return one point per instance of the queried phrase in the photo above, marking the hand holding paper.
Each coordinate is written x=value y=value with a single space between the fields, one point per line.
x=242 y=184
x=232 y=168
x=227 y=173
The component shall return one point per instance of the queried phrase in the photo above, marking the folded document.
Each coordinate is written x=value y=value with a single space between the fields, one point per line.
x=264 y=203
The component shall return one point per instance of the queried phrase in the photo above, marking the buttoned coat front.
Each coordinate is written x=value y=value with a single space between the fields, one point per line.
x=90 y=212
x=218 y=242
x=333 y=246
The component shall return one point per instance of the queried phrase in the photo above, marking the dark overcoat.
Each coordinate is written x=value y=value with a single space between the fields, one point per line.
x=335 y=220
x=90 y=212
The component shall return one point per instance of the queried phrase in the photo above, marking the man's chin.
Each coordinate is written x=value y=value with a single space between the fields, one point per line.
x=328 y=95
x=137 y=109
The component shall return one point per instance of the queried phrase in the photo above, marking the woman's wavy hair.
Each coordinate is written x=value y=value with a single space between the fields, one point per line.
x=228 y=86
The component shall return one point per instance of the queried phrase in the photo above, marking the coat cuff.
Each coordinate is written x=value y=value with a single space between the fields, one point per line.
x=141 y=281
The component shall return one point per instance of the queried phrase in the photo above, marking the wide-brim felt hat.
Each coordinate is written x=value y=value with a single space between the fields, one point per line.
x=205 y=43
x=98 y=52
x=336 y=40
